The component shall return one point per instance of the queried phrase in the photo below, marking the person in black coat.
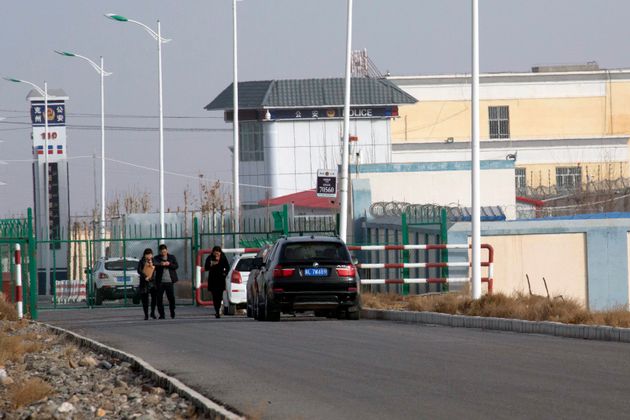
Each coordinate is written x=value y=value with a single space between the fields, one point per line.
x=147 y=288
x=165 y=279
x=217 y=267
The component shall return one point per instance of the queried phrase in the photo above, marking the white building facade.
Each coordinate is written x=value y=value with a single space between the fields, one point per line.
x=290 y=129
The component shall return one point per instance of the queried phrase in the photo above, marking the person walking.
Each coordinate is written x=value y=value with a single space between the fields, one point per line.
x=217 y=267
x=146 y=287
x=165 y=279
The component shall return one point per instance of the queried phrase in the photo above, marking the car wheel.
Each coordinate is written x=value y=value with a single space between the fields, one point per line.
x=261 y=309
x=273 y=316
x=354 y=315
x=98 y=298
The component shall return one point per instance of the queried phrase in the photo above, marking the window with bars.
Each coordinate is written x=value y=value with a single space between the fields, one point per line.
x=251 y=147
x=499 y=118
x=520 y=179
x=568 y=178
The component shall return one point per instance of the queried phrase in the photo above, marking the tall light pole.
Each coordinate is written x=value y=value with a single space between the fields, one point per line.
x=160 y=40
x=44 y=93
x=475 y=166
x=235 y=156
x=343 y=187
x=101 y=71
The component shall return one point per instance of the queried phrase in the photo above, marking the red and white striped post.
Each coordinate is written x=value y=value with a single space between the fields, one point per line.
x=18 y=281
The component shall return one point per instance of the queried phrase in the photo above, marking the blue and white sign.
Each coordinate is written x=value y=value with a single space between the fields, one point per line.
x=333 y=113
x=56 y=113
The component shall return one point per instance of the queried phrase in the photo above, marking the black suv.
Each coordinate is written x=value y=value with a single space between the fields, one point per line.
x=305 y=273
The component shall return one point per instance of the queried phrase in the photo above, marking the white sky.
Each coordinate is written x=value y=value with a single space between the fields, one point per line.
x=277 y=39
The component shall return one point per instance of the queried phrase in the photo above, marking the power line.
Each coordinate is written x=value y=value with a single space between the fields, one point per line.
x=120 y=128
x=138 y=116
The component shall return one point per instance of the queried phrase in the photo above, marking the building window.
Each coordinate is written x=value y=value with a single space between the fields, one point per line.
x=499 y=117
x=250 y=143
x=520 y=180
x=568 y=178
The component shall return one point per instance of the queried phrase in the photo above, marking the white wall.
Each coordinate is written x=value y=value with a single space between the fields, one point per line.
x=444 y=188
x=556 y=154
x=295 y=150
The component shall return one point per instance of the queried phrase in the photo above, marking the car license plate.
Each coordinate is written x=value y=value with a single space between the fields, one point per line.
x=123 y=279
x=316 y=272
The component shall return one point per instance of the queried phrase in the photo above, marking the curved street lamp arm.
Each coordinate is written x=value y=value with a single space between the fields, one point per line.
x=96 y=67
x=150 y=31
x=37 y=88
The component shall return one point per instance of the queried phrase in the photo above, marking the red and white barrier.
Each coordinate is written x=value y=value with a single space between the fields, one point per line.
x=18 y=282
x=70 y=291
x=426 y=247
x=239 y=250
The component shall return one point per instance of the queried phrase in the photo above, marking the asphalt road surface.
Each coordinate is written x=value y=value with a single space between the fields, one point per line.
x=315 y=368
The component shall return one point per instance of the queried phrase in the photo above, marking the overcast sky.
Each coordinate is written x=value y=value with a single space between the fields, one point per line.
x=277 y=39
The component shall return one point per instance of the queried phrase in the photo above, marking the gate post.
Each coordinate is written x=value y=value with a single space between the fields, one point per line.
x=444 y=241
x=32 y=264
x=196 y=241
x=18 y=281
x=285 y=219
x=405 y=253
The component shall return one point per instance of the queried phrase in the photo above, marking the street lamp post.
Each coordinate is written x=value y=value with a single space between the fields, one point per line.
x=343 y=187
x=101 y=71
x=44 y=93
x=235 y=172
x=475 y=165
x=160 y=40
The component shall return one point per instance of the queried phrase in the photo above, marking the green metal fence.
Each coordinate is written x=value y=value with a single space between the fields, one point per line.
x=19 y=231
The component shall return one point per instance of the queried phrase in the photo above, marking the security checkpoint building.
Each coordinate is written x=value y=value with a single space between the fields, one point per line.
x=291 y=128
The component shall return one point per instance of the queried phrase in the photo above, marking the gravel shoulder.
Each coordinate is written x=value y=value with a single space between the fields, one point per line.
x=46 y=376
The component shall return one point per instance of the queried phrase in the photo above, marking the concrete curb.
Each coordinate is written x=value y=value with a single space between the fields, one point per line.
x=207 y=406
x=587 y=332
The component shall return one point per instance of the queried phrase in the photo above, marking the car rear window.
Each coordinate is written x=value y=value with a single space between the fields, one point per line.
x=245 y=264
x=315 y=251
x=120 y=265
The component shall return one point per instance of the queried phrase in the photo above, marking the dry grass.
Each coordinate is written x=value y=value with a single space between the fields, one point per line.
x=7 y=309
x=14 y=347
x=517 y=306
x=29 y=391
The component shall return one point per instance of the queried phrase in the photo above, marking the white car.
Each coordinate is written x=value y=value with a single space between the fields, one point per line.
x=116 y=278
x=235 y=295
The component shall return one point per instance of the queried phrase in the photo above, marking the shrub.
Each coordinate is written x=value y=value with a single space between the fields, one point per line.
x=29 y=391
x=7 y=309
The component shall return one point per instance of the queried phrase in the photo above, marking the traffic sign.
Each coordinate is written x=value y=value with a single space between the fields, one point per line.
x=327 y=183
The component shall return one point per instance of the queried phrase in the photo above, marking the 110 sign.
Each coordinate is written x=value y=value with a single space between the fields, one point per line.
x=52 y=135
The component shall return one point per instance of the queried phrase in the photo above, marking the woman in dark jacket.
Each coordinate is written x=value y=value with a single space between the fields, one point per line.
x=217 y=267
x=147 y=287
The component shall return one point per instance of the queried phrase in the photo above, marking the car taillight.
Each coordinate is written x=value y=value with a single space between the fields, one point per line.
x=278 y=290
x=352 y=289
x=236 y=277
x=103 y=276
x=280 y=272
x=346 y=270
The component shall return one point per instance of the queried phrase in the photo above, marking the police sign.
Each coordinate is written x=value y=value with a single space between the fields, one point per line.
x=327 y=183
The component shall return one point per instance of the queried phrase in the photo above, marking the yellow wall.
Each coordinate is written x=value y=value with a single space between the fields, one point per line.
x=545 y=118
x=541 y=256
x=545 y=174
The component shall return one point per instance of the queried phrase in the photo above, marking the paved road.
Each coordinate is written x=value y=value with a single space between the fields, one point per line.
x=314 y=368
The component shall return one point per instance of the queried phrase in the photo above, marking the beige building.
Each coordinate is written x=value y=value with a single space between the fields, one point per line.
x=564 y=126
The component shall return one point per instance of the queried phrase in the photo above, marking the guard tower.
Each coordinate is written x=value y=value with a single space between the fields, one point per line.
x=51 y=147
